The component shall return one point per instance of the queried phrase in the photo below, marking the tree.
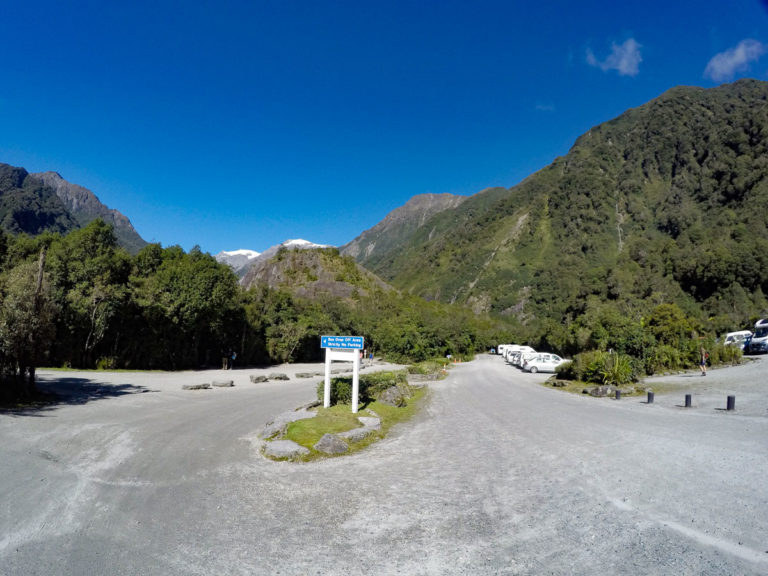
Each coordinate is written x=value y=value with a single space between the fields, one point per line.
x=27 y=325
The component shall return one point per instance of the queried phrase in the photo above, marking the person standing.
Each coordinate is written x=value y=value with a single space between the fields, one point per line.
x=703 y=361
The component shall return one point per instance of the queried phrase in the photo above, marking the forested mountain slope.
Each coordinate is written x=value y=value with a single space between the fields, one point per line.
x=666 y=203
x=398 y=226
x=36 y=203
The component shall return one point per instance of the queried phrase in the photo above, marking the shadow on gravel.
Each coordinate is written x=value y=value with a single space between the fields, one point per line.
x=69 y=392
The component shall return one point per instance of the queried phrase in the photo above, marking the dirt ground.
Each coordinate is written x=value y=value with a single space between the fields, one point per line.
x=130 y=474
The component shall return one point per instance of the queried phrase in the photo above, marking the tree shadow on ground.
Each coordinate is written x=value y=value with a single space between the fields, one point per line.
x=55 y=392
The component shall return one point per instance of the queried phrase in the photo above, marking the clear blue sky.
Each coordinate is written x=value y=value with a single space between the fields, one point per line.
x=240 y=124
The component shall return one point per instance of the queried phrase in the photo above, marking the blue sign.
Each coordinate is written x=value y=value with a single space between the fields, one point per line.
x=342 y=342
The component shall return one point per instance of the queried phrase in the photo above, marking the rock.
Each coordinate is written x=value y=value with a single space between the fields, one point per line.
x=369 y=422
x=304 y=375
x=284 y=449
x=392 y=396
x=223 y=383
x=278 y=376
x=559 y=383
x=600 y=391
x=356 y=434
x=256 y=379
x=277 y=427
x=195 y=386
x=331 y=444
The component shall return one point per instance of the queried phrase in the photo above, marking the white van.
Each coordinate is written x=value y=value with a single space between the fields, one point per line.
x=736 y=338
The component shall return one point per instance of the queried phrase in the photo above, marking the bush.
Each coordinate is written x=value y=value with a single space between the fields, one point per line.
x=427 y=367
x=600 y=368
x=663 y=357
x=106 y=363
x=370 y=386
x=720 y=354
x=617 y=370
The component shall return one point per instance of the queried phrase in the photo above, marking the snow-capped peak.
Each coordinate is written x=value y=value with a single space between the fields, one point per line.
x=299 y=243
x=250 y=254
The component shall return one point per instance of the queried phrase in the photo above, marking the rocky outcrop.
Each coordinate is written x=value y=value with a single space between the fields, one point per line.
x=86 y=207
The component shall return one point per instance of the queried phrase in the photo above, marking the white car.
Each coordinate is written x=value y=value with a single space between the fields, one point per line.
x=543 y=363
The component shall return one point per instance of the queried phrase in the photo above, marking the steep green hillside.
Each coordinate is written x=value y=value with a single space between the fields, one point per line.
x=312 y=273
x=666 y=203
x=27 y=205
x=45 y=202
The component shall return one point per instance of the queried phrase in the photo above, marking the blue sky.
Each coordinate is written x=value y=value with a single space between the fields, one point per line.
x=233 y=124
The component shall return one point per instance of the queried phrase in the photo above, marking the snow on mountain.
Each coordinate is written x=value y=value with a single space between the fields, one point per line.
x=302 y=244
x=238 y=260
x=250 y=254
x=241 y=260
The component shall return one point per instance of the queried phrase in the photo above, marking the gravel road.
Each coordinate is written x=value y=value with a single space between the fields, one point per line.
x=497 y=475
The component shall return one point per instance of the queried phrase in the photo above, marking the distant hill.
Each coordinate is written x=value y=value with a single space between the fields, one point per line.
x=311 y=273
x=666 y=203
x=35 y=203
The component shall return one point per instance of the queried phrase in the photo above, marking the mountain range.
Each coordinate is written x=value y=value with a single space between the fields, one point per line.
x=667 y=203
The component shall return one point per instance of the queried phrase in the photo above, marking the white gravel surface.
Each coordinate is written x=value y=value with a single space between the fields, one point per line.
x=498 y=475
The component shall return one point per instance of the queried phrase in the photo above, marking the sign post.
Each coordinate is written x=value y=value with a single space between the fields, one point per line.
x=343 y=348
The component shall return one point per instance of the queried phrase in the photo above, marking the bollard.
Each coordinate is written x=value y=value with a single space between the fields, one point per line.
x=618 y=394
x=687 y=400
x=650 y=397
x=731 y=403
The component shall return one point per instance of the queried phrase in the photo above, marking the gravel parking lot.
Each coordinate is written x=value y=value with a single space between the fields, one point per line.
x=129 y=474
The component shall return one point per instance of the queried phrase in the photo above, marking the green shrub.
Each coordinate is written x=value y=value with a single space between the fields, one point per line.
x=434 y=366
x=370 y=386
x=663 y=357
x=106 y=363
x=720 y=354
x=601 y=368
x=617 y=370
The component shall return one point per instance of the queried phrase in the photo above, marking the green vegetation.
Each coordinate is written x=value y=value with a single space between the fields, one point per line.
x=90 y=304
x=370 y=386
x=339 y=418
x=650 y=237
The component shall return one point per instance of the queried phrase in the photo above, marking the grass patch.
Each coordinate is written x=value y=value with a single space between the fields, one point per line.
x=339 y=418
x=578 y=387
x=435 y=369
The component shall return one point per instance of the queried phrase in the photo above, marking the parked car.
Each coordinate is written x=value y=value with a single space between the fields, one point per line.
x=543 y=363
x=524 y=357
x=759 y=342
x=739 y=338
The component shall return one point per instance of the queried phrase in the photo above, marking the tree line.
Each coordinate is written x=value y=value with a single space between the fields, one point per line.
x=81 y=301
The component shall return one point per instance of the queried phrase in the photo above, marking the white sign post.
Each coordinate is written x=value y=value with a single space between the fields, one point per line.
x=347 y=349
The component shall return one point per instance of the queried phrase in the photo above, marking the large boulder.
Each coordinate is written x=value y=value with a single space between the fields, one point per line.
x=278 y=376
x=370 y=422
x=393 y=396
x=277 y=427
x=601 y=391
x=356 y=434
x=331 y=444
x=284 y=449
x=205 y=386
x=256 y=379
